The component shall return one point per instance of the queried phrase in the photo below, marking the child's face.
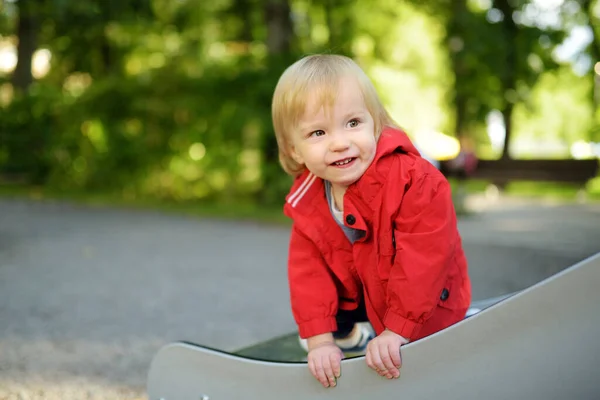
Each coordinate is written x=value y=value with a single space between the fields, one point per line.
x=338 y=145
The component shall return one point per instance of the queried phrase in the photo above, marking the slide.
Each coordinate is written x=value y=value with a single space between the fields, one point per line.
x=541 y=343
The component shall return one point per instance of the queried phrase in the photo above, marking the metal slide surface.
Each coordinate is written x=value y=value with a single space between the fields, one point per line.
x=542 y=343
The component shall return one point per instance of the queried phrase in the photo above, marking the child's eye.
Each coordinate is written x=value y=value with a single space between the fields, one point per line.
x=317 y=133
x=353 y=123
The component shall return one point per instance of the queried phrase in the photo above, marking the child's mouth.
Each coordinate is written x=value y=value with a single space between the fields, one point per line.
x=344 y=163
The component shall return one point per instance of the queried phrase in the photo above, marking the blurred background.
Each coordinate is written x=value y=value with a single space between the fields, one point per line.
x=170 y=100
x=138 y=166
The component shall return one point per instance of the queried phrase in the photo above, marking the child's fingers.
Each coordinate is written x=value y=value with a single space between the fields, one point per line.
x=312 y=369
x=387 y=352
x=396 y=354
x=329 y=370
x=324 y=364
x=370 y=359
x=336 y=361
x=374 y=360
x=320 y=373
x=385 y=364
x=386 y=357
x=315 y=365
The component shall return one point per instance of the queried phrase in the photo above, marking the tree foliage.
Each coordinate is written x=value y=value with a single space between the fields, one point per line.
x=172 y=98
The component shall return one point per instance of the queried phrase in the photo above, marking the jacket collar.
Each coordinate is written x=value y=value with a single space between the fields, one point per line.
x=393 y=140
x=308 y=190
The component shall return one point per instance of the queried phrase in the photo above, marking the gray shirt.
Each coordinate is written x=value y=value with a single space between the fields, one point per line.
x=352 y=234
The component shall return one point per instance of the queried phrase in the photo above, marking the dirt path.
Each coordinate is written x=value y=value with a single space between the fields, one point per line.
x=88 y=295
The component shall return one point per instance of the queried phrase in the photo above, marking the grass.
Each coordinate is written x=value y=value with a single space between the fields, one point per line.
x=541 y=190
x=239 y=211
x=247 y=211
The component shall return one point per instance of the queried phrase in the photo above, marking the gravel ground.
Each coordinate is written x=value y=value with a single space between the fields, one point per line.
x=88 y=295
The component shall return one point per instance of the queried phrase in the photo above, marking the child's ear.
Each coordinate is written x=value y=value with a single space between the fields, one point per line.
x=295 y=155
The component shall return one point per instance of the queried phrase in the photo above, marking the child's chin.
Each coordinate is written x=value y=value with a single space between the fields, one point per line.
x=344 y=182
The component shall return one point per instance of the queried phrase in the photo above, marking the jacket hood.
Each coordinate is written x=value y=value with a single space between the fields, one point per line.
x=392 y=140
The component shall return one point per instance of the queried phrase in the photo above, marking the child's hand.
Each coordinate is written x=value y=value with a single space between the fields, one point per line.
x=383 y=354
x=324 y=362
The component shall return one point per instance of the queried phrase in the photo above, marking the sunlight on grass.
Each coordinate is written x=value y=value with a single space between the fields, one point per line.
x=235 y=210
x=593 y=188
x=248 y=210
x=197 y=151
x=94 y=131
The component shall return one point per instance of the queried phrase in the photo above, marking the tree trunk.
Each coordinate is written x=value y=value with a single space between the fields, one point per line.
x=27 y=31
x=280 y=34
x=243 y=8
x=107 y=56
x=340 y=29
x=593 y=23
x=509 y=80
x=456 y=33
x=279 y=26
x=507 y=113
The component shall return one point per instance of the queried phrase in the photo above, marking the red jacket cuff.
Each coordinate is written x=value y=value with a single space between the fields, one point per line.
x=316 y=327
x=400 y=325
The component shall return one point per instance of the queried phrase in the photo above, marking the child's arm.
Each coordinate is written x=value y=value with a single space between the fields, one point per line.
x=383 y=354
x=324 y=359
x=314 y=305
x=426 y=236
x=313 y=293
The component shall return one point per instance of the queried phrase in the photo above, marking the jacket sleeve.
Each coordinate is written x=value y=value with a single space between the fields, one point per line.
x=313 y=293
x=425 y=233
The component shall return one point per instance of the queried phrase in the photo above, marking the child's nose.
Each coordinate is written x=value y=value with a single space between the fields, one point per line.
x=338 y=142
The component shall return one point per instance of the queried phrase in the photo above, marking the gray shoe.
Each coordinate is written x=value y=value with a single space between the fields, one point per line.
x=356 y=344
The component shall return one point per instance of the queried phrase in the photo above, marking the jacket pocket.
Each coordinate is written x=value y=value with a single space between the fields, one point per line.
x=387 y=243
x=450 y=296
x=387 y=254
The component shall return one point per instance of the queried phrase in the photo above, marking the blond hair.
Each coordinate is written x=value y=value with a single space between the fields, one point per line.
x=318 y=74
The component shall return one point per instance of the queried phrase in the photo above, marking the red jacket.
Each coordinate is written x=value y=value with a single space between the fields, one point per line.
x=409 y=267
